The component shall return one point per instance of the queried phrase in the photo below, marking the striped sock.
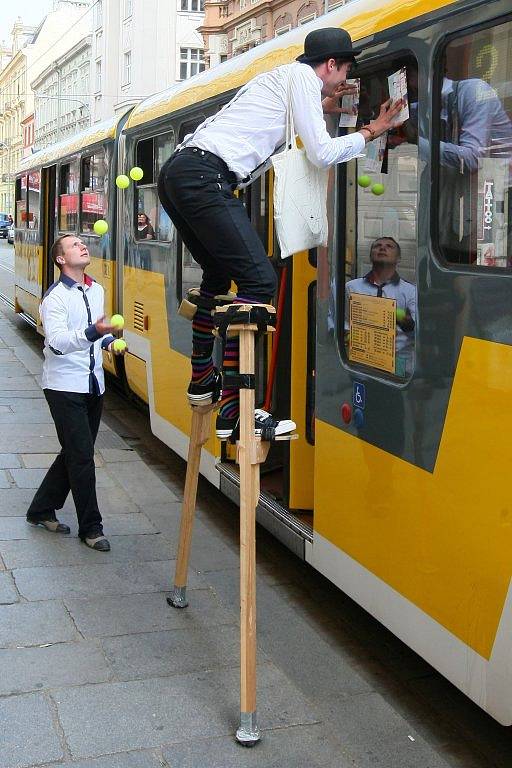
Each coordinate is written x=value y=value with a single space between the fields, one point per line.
x=230 y=406
x=202 y=344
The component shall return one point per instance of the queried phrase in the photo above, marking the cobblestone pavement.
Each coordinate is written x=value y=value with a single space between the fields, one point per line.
x=97 y=671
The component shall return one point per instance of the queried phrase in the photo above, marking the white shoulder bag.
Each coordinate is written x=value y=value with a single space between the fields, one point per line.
x=300 y=196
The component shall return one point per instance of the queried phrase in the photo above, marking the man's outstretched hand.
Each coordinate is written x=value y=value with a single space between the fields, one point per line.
x=331 y=104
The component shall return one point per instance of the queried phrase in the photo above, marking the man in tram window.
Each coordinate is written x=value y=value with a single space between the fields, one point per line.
x=197 y=182
x=383 y=280
x=76 y=332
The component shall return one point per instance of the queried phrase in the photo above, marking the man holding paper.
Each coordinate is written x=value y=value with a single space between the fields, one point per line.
x=196 y=189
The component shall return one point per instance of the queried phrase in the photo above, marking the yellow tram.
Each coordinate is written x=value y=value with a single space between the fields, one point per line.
x=397 y=488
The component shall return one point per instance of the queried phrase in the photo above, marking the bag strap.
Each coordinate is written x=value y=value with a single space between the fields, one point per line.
x=291 y=137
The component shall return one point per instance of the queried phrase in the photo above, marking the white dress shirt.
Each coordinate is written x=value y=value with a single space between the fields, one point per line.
x=253 y=125
x=72 y=346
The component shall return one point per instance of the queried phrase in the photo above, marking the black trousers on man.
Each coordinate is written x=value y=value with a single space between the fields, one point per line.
x=196 y=190
x=77 y=419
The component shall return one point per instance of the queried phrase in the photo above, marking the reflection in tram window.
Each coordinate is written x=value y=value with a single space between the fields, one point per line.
x=151 y=155
x=68 y=196
x=93 y=199
x=377 y=304
x=475 y=151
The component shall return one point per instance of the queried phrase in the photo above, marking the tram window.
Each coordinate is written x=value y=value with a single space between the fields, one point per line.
x=21 y=202
x=151 y=155
x=68 y=197
x=475 y=149
x=380 y=239
x=34 y=193
x=92 y=194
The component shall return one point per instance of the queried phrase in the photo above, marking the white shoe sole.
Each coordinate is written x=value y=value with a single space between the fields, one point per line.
x=284 y=427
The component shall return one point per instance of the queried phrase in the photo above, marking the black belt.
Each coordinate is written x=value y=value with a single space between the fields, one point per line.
x=215 y=159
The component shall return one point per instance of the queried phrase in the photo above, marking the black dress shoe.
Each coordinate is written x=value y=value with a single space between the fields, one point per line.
x=99 y=542
x=52 y=525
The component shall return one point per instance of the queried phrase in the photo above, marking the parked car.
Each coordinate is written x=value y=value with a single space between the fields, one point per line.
x=10 y=234
x=4 y=224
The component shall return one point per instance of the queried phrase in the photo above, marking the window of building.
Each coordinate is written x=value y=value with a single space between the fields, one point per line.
x=191 y=62
x=98 y=75
x=92 y=193
x=475 y=149
x=68 y=197
x=151 y=221
x=99 y=42
x=223 y=57
x=128 y=8
x=243 y=5
x=97 y=108
x=306 y=19
x=282 y=30
x=192 y=6
x=373 y=288
x=127 y=67
x=98 y=14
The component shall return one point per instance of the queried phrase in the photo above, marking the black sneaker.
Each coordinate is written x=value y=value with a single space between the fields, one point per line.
x=265 y=426
x=205 y=394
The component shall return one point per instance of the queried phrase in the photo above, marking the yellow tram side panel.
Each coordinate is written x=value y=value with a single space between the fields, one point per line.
x=441 y=539
x=302 y=454
x=28 y=278
x=170 y=370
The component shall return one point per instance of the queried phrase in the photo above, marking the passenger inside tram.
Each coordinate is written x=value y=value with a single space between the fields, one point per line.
x=144 y=229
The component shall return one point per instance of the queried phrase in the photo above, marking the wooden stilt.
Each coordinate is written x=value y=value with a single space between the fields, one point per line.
x=199 y=434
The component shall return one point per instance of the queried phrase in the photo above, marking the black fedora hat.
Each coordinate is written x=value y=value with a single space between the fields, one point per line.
x=327 y=43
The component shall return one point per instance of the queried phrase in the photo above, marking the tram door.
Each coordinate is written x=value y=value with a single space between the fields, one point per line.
x=48 y=185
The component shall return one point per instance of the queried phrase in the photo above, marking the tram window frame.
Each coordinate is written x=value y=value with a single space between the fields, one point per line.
x=91 y=189
x=21 y=198
x=343 y=270
x=33 y=212
x=151 y=166
x=62 y=177
x=472 y=268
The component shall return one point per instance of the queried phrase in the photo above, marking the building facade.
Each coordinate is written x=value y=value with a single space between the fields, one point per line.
x=233 y=26
x=32 y=52
x=62 y=95
x=140 y=47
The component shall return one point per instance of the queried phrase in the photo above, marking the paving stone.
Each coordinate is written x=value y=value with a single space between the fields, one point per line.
x=309 y=746
x=9 y=461
x=45 y=460
x=22 y=395
x=110 y=500
x=376 y=736
x=107 y=616
x=32 y=361
x=4 y=479
x=15 y=383
x=139 y=759
x=105 y=578
x=166 y=517
x=160 y=654
x=15 y=501
x=27 y=624
x=156 y=711
x=115 y=525
x=25 y=444
x=11 y=370
x=141 y=483
x=62 y=664
x=51 y=550
x=27 y=736
x=29 y=430
x=8 y=592
x=109 y=439
x=114 y=455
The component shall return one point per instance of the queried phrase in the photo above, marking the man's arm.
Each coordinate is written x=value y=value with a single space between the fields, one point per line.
x=60 y=339
x=475 y=104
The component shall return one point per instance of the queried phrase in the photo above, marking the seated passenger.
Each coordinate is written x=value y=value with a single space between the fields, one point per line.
x=384 y=281
x=144 y=229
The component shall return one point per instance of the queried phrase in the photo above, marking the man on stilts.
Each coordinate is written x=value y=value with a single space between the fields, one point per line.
x=196 y=188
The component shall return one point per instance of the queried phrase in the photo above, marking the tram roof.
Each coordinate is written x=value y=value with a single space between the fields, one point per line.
x=360 y=17
x=96 y=133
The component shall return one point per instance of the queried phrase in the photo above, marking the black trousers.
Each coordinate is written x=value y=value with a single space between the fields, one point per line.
x=196 y=190
x=77 y=420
